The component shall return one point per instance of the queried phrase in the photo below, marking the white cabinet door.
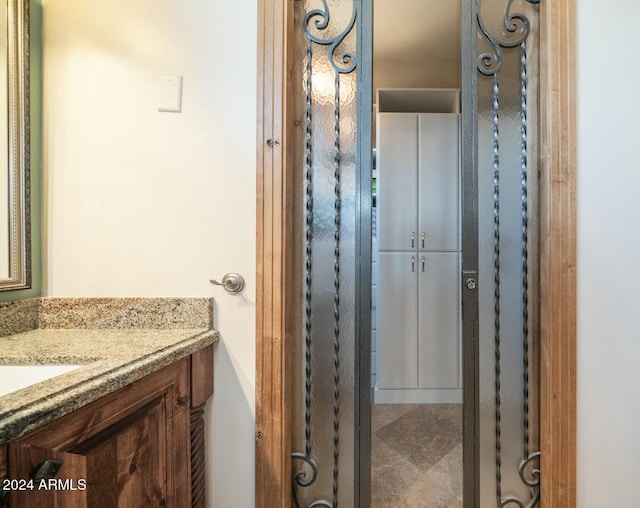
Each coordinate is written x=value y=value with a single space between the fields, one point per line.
x=439 y=320
x=397 y=326
x=439 y=182
x=397 y=186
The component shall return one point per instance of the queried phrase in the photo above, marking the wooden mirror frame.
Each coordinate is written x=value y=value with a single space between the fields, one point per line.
x=557 y=262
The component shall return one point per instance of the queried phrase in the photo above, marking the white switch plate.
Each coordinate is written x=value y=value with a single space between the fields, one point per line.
x=170 y=94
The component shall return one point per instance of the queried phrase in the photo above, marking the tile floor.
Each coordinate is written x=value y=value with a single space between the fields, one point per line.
x=416 y=459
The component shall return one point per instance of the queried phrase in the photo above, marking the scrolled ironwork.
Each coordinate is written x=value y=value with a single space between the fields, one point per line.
x=514 y=23
x=496 y=278
x=302 y=477
x=300 y=480
x=534 y=481
x=336 y=290
x=489 y=64
x=316 y=24
x=530 y=476
x=516 y=30
x=345 y=62
x=308 y=312
x=524 y=199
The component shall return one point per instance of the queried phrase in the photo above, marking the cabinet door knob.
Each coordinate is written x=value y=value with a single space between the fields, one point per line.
x=422 y=238
x=422 y=262
x=46 y=470
x=413 y=264
x=413 y=240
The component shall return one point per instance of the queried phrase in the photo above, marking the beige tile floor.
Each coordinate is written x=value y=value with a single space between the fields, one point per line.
x=416 y=458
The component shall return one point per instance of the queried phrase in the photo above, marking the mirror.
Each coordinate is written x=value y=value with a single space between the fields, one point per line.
x=15 y=258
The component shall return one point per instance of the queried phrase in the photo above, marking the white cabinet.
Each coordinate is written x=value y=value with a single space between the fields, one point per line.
x=439 y=182
x=418 y=289
x=397 y=211
x=397 y=327
x=439 y=320
x=418 y=327
x=418 y=181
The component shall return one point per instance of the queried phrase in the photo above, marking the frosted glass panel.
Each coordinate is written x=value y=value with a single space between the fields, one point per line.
x=511 y=407
x=331 y=155
x=325 y=167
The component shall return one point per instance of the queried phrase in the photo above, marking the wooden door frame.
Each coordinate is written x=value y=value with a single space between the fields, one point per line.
x=557 y=254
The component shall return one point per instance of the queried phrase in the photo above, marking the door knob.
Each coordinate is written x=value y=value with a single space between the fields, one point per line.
x=46 y=470
x=233 y=283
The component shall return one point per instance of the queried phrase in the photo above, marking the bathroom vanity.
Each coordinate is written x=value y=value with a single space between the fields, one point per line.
x=126 y=428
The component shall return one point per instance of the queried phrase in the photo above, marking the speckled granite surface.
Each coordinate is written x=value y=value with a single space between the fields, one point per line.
x=117 y=341
x=20 y=316
x=90 y=313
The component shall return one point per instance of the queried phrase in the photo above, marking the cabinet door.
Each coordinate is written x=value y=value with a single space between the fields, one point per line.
x=397 y=186
x=439 y=182
x=397 y=327
x=439 y=320
x=131 y=448
x=66 y=488
x=124 y=465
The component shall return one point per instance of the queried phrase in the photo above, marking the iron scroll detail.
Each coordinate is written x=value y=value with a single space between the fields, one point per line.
x=317 y=30
x=490 y=64
x=320 y=19
x=300 y=480
x=516 y=28
x=532 y=481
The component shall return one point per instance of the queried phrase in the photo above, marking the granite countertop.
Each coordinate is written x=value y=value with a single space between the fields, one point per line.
x=116 y=340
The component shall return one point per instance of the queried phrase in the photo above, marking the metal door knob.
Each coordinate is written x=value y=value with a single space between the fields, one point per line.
x=233 y=283
x=46 y=470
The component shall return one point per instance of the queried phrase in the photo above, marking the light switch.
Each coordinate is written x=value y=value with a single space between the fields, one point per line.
x=170 y=96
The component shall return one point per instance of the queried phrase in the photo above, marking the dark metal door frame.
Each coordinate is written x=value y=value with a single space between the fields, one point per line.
x=469 y=279
x=364 y=106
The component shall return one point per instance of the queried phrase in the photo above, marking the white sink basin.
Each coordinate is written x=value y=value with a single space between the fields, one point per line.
x=16 y=377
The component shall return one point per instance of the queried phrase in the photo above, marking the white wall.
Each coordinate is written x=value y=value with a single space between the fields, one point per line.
x=144 y=203
x=608 y=247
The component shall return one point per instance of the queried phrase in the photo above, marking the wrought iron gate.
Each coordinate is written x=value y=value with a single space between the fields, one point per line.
x=499 y=154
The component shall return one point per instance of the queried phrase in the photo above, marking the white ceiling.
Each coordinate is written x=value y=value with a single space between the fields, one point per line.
x=416 y=30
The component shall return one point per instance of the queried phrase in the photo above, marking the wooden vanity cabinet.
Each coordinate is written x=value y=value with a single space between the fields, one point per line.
x=141 y=446
x=3 y=474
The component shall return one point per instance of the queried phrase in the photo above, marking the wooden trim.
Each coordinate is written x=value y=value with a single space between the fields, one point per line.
x=273 y=369
x=201 y=376
x=198 y=461
x=557 y=263
x=201 y=386
x=558 y=253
